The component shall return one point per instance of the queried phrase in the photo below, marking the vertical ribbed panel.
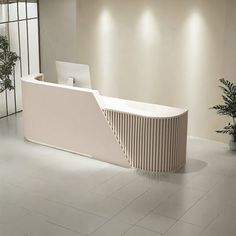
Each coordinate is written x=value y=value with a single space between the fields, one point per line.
x=152 y=144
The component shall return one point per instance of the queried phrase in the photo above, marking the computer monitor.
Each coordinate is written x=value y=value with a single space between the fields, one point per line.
x=73 y=74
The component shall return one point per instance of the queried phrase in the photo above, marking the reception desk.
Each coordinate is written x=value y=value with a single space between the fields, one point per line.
x=127 y=133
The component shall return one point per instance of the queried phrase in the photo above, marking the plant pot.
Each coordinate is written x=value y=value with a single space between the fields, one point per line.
x=232 y=143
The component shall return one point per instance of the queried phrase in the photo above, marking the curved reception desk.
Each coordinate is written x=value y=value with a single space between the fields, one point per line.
x=130 y=134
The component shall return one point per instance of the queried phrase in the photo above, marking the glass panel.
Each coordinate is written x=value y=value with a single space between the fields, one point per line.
x=22 y=10
x=28 y=49
x=18 y=92
x=12 y=11
x=13 y=32
x=2 y=29
x=33 y=46
x=24 y=52
x=3 y=18
x=3 y=13
x=11 y=104
x=32 y=9
x=2 y=104
x=14 y=46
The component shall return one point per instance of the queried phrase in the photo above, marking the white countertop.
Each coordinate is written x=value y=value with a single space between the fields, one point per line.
x=117 y=104
x=140 y=108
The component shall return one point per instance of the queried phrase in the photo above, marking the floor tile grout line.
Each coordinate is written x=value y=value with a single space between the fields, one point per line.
x=126 y=231
x=67 y=228
x=179 y=221
x=157 y=207
x=148 y=229
x=206 y=195
x=60 y=202
x=198 y=199
x=121 y=209
x=214 y=218
x=76 y=208
x=176 y=220
x=109 y=220
x=132 y=202
x=204 y=228
x=128 y=204
x=132 y=225
x=201 y=198
x=125 y=185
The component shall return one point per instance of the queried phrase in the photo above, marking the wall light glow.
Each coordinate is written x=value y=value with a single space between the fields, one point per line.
x=194 y=54
x=147 y=26
x=194 y=28
x=194 y=36
x=105 y=23
x=105 y=33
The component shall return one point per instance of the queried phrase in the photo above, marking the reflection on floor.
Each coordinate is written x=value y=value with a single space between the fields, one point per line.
x=47 y=192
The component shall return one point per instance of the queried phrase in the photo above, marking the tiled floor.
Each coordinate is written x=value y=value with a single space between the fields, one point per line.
x=47 y=192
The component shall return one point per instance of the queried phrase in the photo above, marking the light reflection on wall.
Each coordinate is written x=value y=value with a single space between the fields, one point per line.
x=162 y=53
x=148 y=40
x=195 y=28
x=105 y=32
x=147 y=26
x=194 y=39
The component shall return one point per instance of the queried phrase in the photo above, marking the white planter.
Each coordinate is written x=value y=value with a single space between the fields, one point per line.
x=232 y=144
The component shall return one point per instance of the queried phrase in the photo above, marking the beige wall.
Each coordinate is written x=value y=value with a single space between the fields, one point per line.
x=168 y=52
x=58 y=34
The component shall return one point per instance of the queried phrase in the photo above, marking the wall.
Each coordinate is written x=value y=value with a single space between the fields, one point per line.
x=160 y=51
x=166 y=52
x=58 y=34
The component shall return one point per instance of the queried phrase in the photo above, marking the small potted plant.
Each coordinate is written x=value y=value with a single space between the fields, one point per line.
x=228 y=109
x=8 y=60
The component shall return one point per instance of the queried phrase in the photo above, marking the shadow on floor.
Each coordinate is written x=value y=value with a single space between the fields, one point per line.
x=192 y=165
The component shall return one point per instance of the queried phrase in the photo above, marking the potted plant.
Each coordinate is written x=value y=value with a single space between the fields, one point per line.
x=8 y=60
x=228 y=109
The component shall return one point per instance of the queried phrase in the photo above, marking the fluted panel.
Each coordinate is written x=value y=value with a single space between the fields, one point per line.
x=152 y=144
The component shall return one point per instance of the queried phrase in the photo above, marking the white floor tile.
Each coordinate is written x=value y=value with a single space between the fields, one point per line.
x=99 y=204
x=49 y=192
x=157 y=223
x=62 y=215
x=178 y=204
x=204 y=182
x=113 y=227
x=10 y=213
x=224 y=224
x=184 y=229
x=131 y=191
x=115 y=183
x=78 y=221
x=141 y=206
x=36 y=225
x=9 y=230
x=138 y=231
x=203 y=212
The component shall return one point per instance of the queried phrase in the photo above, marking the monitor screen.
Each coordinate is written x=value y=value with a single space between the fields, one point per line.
x=73 y=74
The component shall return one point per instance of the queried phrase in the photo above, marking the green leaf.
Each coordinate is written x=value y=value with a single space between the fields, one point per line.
x=8 y=60
x=229 y=106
